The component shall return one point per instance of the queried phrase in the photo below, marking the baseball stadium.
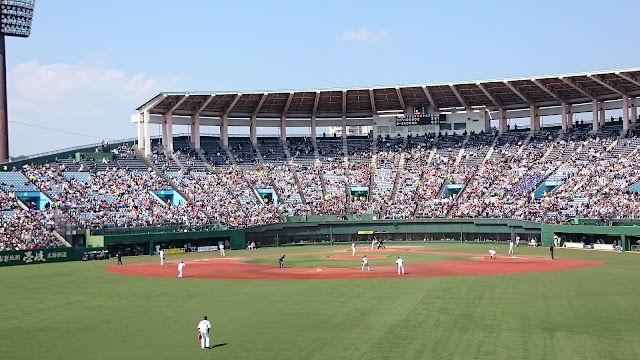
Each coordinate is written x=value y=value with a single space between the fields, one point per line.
x=492 y=219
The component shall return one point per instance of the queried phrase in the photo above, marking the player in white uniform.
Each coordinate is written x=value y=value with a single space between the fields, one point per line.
x=510 y=247
x=517 y=240
x=221 y=247
x=180 y=267
x=161 y=256
x=204 y=327
x=353 y=248
x=400 y=264
x=373 y=243
x=492 y=254
x=365 y=263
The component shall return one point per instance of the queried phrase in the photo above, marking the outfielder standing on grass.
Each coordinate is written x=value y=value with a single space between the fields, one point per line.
x=551 y=251
x=281 y=261
x=161 y=256
x=204 y=326
x=353 y=248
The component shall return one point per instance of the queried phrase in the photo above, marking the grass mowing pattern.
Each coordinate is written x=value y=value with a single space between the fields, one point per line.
x=80 y=311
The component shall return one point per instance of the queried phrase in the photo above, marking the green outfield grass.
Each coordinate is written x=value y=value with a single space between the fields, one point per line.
x=324 y=258
x=80 y=311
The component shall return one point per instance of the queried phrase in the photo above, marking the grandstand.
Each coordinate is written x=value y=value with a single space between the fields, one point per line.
x=545 y=174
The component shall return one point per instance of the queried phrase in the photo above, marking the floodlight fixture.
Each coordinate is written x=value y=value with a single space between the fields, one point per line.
x=16 y=17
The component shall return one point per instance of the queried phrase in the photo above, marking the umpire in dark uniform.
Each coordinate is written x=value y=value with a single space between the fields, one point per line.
x=281 y=261
x=119 y=255
x=551 y=250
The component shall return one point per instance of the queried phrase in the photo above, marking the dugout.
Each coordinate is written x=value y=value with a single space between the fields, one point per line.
x=590 y=231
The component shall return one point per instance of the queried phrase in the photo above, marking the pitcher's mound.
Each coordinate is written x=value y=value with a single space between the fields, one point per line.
x=357 y=257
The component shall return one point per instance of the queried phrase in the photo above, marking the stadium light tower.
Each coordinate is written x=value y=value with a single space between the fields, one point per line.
x=17 y=16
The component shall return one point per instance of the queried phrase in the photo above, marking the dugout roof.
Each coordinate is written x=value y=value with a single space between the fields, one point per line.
x=510 y=94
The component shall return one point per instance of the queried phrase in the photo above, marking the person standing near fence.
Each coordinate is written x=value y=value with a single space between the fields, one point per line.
x=551 y=251
x=119 y=255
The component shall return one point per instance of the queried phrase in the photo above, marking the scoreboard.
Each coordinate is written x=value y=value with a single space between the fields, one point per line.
x=421 y=119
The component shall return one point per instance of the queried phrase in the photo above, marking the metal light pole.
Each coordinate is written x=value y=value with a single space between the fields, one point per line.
x=17 y=16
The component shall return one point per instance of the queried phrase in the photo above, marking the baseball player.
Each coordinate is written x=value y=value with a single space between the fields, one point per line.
x=551 y=251
x=510 y=247
x=204 y=326
x=281 y=261
x=365 y=263
x=161 y=256
x=180 y=267
x=400 y=264
x=221 y=247
x=492 y=254
x=373 y=243
x=353 y=248
x=517 y=240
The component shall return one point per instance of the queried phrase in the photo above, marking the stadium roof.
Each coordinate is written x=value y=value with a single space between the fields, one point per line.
x=510 y=94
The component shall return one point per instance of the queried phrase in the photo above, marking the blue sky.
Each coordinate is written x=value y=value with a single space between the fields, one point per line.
x=89 y=64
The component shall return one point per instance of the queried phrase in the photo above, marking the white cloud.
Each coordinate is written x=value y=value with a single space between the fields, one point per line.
x=365 y=35
x=89 y=97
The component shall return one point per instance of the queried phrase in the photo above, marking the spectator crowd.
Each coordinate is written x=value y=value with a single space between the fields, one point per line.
x=594 y=175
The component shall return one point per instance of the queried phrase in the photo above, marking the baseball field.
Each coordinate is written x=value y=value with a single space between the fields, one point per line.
x=453 y=303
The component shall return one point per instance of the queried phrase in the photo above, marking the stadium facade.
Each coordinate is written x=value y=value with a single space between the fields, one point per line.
x=427 y=170
x=469 y=104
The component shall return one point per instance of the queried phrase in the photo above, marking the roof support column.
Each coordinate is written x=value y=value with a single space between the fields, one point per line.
x=565 y=116
x=344 y=126
x=625 y=113
x=603 y=117
x=634 y=110
x=570 y=122
x=594 y=109
x=165 y=140
x=314 y=128
x=224 y=131
x=502 y=121
x=253 y=130
x=147 y=134
x=283 y=128
x=535 y=118
x=140 y=132
x=195 y=131
x=169 y=129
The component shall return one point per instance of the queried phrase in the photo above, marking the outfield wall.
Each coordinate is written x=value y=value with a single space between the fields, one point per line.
x=40 y=256
x=327 y=229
